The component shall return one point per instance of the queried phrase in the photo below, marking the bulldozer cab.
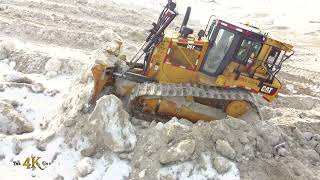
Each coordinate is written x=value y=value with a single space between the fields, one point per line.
x=244 y=45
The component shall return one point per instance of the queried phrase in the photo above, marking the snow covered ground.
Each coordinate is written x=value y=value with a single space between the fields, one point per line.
x=63 y=161
x=48 y=46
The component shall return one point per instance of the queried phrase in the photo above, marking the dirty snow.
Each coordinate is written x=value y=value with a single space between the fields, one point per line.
x=63 y=161
x=188 y=170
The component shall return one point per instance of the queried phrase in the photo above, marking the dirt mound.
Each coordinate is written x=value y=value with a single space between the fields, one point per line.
x=239 y=142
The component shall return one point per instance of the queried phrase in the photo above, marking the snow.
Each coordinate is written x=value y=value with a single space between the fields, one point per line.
x=188 y=170
x=109 y=167
x=50 y=50
x=13 y=76
x=117 y=170
x=61 y=83
x=35 y=107
x=5 y=69
x=6 y=123
x=64 y=164
x=290 y=87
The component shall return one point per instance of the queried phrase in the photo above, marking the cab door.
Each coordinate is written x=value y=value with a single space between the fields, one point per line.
x=219 y=53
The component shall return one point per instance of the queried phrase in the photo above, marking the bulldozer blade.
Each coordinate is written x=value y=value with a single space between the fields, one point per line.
x=102 y=76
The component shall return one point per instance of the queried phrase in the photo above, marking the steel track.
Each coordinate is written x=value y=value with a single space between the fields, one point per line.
x=162 y=90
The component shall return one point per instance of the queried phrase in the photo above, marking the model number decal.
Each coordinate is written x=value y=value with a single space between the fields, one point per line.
x=190 y=46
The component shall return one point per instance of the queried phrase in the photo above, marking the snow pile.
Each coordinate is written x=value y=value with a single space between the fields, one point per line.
x=54 y=120
x=226 y=146
x=18 y=78
x=65 y=162
x=110 y=126
x=178 y=152
x=206 y=170
x=52 y=67
x=85 y=167
x=11 y=122
x=6 y=48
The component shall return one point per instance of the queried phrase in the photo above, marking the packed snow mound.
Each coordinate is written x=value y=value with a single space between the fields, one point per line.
x=11 y=121
x=85 y=166
x=110 y=125
x=229 y=144
x=18 y=78
x=6 y=48
x=111 y=54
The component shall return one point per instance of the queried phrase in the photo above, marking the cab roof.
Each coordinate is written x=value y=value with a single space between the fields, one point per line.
x=250 y=31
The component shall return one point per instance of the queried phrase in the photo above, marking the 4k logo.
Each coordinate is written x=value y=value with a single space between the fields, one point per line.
x=32 y=162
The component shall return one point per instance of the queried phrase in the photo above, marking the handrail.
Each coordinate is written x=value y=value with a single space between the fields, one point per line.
x=205 y=30
x=277 y=67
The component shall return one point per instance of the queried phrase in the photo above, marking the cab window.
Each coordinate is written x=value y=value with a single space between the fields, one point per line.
x=243 y=50
x=272 y=62
x=274 y=53
x=217 y=53
x=247 y=48
x=256 y=48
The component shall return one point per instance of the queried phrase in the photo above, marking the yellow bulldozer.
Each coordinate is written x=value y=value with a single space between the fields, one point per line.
x=197 y=76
